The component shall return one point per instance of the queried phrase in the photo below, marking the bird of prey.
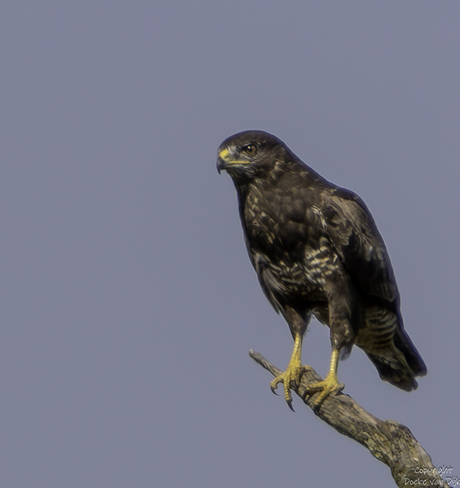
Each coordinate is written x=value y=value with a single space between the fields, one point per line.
x=317 y=252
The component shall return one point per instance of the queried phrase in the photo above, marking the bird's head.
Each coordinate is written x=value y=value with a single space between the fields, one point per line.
x=251 y=153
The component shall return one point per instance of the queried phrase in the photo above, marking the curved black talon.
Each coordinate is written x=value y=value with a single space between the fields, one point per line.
x=289 y=402
x=273 y=390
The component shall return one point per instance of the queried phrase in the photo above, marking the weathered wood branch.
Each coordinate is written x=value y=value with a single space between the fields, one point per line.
x=387 y=440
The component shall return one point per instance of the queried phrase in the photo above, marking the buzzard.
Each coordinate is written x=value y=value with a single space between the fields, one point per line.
x=317 y=252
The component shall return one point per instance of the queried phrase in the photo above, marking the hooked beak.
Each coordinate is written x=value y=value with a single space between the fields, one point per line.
x=226 y=161
x=223 y=160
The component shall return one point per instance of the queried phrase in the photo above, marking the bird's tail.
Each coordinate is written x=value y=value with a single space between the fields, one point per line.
x=400 y=363
x=393 y=367
x=387 y=344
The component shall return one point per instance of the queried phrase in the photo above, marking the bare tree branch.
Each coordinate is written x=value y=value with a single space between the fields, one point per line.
x=387 y=440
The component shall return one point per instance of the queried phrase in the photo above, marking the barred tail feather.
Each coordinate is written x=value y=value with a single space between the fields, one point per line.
x=393 y=367
x=403 y=342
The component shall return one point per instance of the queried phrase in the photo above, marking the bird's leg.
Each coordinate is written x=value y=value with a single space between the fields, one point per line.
x=293 y=372
x=329 y=385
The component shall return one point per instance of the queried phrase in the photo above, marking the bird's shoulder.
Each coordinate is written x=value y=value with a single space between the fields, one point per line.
x=354 y=234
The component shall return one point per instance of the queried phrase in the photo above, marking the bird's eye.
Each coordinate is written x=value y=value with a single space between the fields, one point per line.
x=250 y=149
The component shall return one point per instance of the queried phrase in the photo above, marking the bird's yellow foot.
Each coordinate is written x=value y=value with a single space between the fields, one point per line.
x=290 y=378
x=329 y=385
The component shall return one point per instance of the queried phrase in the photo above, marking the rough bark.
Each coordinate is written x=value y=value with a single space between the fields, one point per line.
x=387 y=440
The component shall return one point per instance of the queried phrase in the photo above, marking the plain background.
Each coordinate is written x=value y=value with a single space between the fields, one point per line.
x=128 y=301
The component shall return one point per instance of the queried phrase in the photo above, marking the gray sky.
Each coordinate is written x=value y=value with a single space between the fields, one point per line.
x=128 y=301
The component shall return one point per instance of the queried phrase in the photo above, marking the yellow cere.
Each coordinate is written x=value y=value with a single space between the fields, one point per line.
x=224 y=154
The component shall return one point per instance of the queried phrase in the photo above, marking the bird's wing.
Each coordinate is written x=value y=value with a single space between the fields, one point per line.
x=358 y=243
